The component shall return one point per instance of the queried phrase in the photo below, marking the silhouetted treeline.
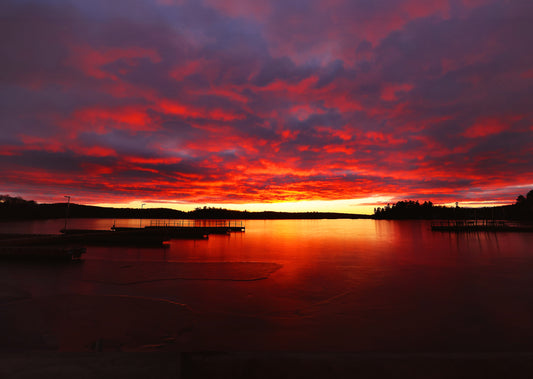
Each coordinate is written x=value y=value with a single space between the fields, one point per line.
x=17 y=208
x=221 y=213
x=523 y=208
x=409 y=209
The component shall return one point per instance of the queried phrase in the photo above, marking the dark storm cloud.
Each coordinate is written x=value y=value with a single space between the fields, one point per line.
x=66 y=162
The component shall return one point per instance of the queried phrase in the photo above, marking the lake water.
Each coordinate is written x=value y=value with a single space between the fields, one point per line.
x=285 y=285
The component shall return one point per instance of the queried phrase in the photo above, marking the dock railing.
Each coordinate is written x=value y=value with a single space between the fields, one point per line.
x=468 y=223
x=191 y=223
x=478 y=226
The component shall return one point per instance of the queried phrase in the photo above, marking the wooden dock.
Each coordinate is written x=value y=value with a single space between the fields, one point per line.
x=85 y=238
x=70 y=244
x=465 y=226
x=209 y=226
x=188 y=228
x=41 y=253
x=165 y=233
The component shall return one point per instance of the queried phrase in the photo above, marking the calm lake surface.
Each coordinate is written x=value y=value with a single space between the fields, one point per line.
x=301 y=285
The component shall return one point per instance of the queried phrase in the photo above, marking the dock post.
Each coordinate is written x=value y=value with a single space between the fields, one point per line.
x=140 y=216
x=66 y=213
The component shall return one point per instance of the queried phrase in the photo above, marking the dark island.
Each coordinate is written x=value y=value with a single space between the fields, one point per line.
x=521 y=210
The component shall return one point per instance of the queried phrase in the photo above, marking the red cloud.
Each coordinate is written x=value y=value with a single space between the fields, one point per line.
x=488 y=126
x=104 y=119
x=187 y=111
x=41 y=143
x=95 y=151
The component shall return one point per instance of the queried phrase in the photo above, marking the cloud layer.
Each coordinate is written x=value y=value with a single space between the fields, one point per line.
x=247 y=102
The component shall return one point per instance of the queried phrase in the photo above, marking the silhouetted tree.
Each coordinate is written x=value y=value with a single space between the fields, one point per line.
x=523 y=208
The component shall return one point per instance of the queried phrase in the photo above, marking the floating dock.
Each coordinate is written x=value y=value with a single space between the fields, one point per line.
x=165 y=233
x=462 y=226
x=209 y=226
x=187 y=228
x=85 y=238
x=44 y=253
x=68 y=244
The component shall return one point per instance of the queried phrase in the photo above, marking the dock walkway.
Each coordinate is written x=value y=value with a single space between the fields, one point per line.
x=210 y=226
x=186 y=228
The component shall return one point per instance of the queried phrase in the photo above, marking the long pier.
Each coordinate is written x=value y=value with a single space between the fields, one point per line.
x=210 y=226
x=184 y=228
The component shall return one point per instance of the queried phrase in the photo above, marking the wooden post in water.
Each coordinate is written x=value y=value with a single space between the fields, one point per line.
x=66 y=213
x=141 y=216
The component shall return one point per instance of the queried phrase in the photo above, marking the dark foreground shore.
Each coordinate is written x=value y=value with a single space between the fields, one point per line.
x=125 y=319
x=248 y=365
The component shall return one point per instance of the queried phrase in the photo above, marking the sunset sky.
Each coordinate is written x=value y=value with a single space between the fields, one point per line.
x=295 y=105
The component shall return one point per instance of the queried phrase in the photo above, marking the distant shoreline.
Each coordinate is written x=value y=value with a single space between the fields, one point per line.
x=28 y=210
x=15 y=208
